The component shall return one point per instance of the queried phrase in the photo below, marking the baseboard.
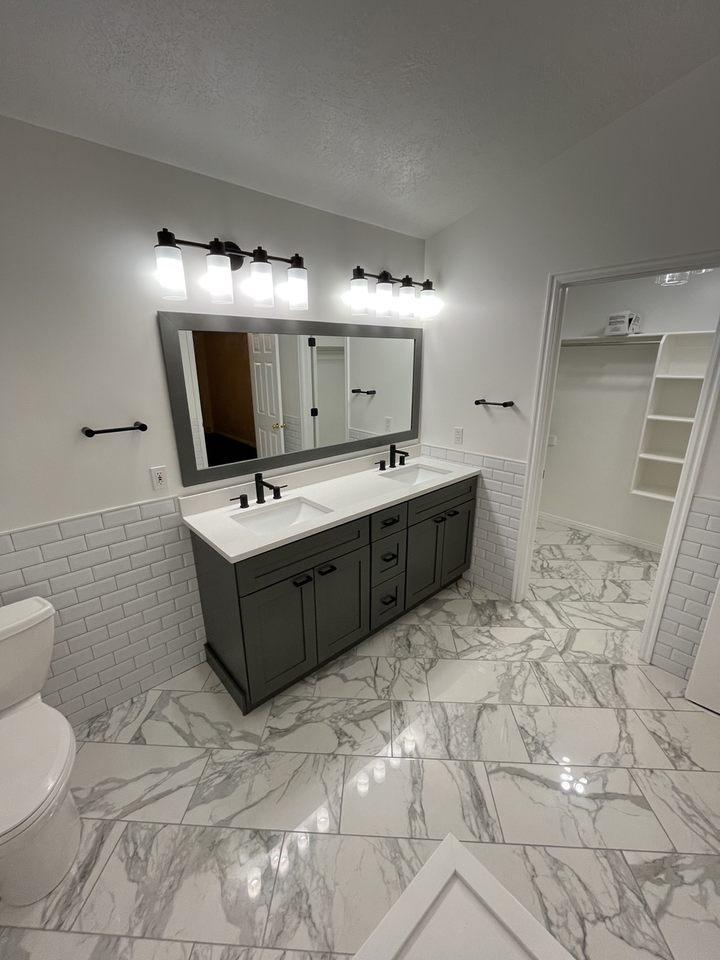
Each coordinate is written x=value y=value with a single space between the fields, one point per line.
x=622 y=537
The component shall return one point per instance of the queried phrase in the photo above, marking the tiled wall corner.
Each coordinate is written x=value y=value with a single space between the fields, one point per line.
x=124 y=587
x=497 y=517
x=694 y=583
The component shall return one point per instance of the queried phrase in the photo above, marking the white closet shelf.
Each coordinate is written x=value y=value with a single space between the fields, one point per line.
x=658 y=493
x=666 y=419
x=661 y=457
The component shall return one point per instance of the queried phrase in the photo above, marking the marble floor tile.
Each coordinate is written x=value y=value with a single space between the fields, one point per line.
x=464 y=589
x=602 y=645
x=213 y=684
x=596 y=737
x=680 y=703
x=193 y=679
x=623 y=552
x=687 y=803
x=597 y=685
x=410 y=640
x=565 y=551
x=209 y=951
x=48 y=945
x=185 y=883
x=455 y=611
x=424 y=799
x=269 y=790
x=372 y=678
x=534 y=614
x=588 y=613
x=332 y=891
x=121 y=723
x=456 y=731
x=117 y=781
x=503 y=643
x=683 y=894
x=306 y=724
x=483 y=681
x=200 y=719
x=597 y=807
x=615 y=570
x=604 y=591
x=587 y=899
x=554 y=569
x=58 y=910
x=691 y=740
x=667 y=683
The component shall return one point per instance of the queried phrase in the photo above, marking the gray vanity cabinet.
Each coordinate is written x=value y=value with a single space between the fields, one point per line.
x=342 y=610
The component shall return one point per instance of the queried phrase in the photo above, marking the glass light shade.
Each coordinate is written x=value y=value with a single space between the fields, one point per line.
x=430 y=304
x=260 y=285
x=218 y=279
x=383 y=299
x=700 y=273
x=297 y=288
x=170 y=272
x=673 y=279
x=359 y=297
x=407 y=302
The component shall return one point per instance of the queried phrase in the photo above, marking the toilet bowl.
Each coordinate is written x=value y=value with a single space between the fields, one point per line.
x=39 y=822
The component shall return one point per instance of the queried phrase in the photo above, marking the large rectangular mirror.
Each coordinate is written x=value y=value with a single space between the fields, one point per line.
x=251 y=393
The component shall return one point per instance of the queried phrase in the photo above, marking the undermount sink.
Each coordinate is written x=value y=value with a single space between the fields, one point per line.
x=413 y=475
x=279 y=515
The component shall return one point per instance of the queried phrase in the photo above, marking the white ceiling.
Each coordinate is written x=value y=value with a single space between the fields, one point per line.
x=403 y=113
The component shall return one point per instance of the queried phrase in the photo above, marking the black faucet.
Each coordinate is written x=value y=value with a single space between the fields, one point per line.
x=260 y=485
x=401 y=453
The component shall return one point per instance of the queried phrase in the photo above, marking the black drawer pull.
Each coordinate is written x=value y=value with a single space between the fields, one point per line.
x=439 y=519
x=389 y=522
x=452 y=513
x=386 y=601
x=387 y=557
x=324 y=571
x=302 y=581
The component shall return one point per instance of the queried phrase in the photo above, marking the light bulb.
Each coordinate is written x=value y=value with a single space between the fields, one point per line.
x=673 y=279
x=218 y=279
x=297 y=284
x=323 y=820
x=406 y=299
x=254 y=882
x=359 y=293
x=362 y=784
x=379 y=771
x=383 y=295
x=430 y=303
x=259 y=286
x=169 y=268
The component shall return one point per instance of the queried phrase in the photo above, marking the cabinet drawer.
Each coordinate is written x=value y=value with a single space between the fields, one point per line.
x=423 y=507
x=283 y=562
x=387 y=601
x=388 y=557
x=385 y=522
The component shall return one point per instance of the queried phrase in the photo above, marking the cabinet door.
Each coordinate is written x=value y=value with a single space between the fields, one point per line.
x=457 y=541
x=342 y=602
x=424 y=559
x=279 y=629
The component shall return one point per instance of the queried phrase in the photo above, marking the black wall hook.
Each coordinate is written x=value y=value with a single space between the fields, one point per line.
x=495 y=403
x=138 y=425
x=370 y=393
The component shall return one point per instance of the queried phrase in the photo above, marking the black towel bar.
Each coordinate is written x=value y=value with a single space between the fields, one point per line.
x=495 y=403
x=138 y=425
x=370 y=393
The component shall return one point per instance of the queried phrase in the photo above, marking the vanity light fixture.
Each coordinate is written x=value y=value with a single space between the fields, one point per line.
x=677 y=279
x=407 y=304
x=223 y=258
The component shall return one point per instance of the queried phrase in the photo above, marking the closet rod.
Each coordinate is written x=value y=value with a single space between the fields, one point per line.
x=610 y=341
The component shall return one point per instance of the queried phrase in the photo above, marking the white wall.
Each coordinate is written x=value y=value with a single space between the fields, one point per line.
x=598 y=414
x=646 y=186
x=79 y=340
x=385 y=366
x=693 y=306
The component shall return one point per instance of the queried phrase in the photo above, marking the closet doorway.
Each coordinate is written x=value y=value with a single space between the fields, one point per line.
x=620 y=428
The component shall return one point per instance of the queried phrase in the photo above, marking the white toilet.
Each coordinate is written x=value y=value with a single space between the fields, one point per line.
x=39 y=822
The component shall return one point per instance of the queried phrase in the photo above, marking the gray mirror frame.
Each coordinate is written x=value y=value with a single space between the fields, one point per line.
x=171 y=323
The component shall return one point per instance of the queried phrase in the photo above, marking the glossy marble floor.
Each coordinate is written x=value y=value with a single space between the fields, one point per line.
x=579 y=776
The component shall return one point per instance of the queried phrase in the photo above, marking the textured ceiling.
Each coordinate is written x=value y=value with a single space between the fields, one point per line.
x=403 y=113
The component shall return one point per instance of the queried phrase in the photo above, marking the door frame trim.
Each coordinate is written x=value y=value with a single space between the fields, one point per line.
x=545 y=379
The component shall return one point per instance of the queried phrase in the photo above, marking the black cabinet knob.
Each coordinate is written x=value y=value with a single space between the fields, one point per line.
x=390 y=521
x=386 y=601
x=439 y=519
x=387 y=557
x=453 y=513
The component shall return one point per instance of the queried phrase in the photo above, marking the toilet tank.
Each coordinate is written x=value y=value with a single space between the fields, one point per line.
x=26 y=642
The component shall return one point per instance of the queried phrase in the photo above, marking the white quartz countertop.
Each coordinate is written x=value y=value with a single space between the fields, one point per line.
x=341 y=499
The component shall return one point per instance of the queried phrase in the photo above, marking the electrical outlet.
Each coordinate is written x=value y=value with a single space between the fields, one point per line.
x=457 y=434
x=158 y=477
x=552 y=440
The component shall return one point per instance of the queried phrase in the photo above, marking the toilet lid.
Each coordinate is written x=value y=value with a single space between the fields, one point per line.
x=36 y=746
